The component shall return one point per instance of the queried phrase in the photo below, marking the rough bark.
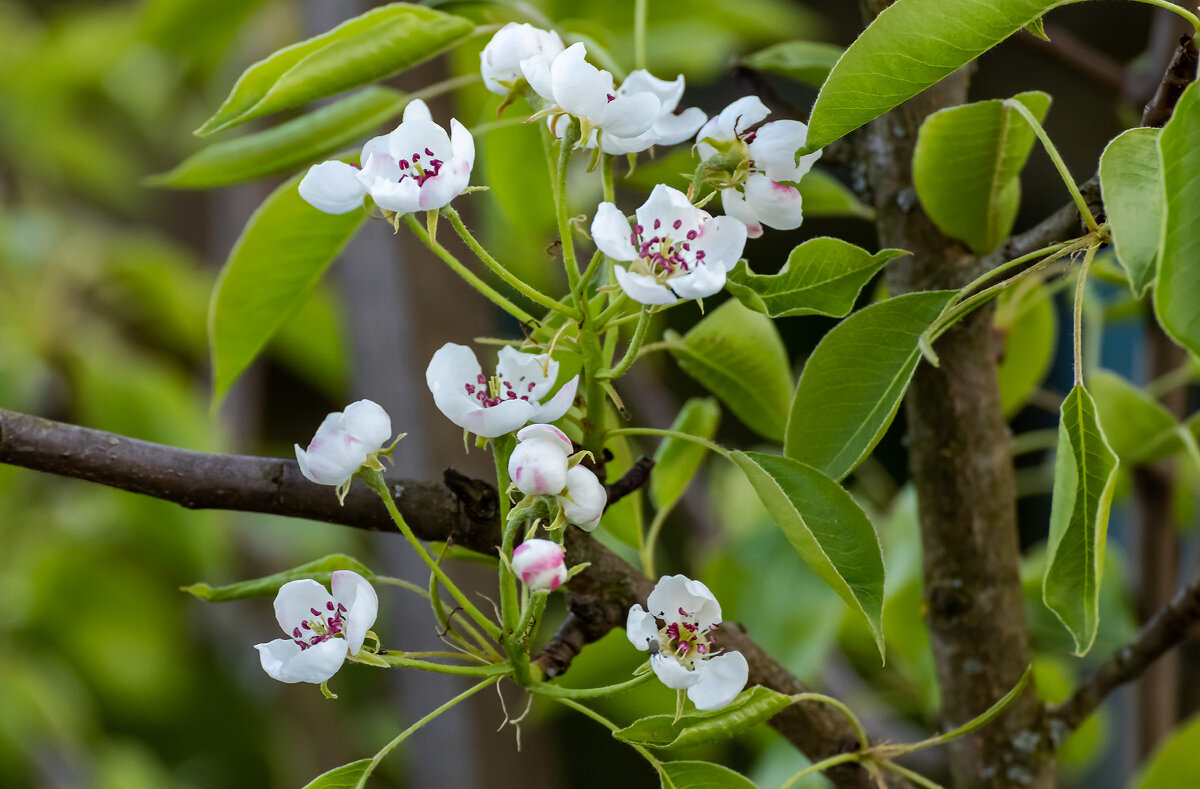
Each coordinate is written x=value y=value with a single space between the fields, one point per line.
x=963 y=474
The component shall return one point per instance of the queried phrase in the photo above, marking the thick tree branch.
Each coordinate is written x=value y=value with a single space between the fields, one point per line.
x=462 y=509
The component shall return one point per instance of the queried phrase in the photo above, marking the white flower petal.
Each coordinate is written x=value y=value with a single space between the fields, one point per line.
x=723 y=239
x=362 y=606
x=413 y=137
x=379 y=169
x=369 y=423
x=452 y=367
x=539 y=564
x=554 y=408
x=333 y=455
x=579 y=87
x=721 y=680
x=641 y=627
x=584 y=499
x=619 y=146
x=296 y=601
x=538 y=466
x=776 y=205
x=523 y=371
x=442 y=188
x=666 y=205
x=774 y=150
x=670 y=129
x=611 y=232
x=536 y=71
x=462 y=145
x=630 y=115
x=643 y=288
x=498 y=419
x=743 y=114
x=375 y=145
x=672 y=673
x=403 y=197
x=668 y=92
x=332 y=187
x=675 y=593
x=547 y=433
x=285 y=661
x=500 y=61
x=699 y=283
x=416 y=110
x=735 y=206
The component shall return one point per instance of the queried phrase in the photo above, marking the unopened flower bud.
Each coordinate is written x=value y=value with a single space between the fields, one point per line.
x=539 y=564
x=584 y=499
x=538 y=464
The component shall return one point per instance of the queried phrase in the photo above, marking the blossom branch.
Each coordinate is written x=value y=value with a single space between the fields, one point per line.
x=462 y=509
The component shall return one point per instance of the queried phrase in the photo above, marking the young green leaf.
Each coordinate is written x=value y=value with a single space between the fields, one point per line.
x=280 y=256
x=287 y=146
x=700 y=775
x=1027 y=321
x=318 y=570
x=1176 y=763
x=824 y=195
x=967 y=166
x=1131 y=183
x=738 y=355
x=1038 y=28
x=1138 y=428
x=822 y=276
x=826 y=527
x=1179 y=265
x=911 y=45
x=377 y=44
x=855 y=380
x=676 y=461
x=1085 y=471
x=804 y=61
x=348 y=776
x=750 y=708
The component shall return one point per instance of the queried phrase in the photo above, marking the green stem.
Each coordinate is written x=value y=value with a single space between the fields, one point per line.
x=606 y=723
x=1192 y=19
x=1077 y=313
x=375 y=482
x=590 y=272
x=653 y=431
x=1059 y=164
x=639 y=34
x=1011 y=264
x=474 y=281
x=817 y=767
x=602 y=320
x=647 y=548
x=911 y=775
x=512 y=279
x=561 y=166
x=555 y=692
x=403 y=584
x=411 y=729
x=859 y=732
x=631 y=353
x=490 y=670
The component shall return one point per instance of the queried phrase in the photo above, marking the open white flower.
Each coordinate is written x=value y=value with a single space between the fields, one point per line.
x=682 y=648
x=676 y=251
x=417 y=167
x=321 y=628
x=491 y=407
x=539 y=564
x=668 y=127
x=344 y=442
x=500 y=61
x=767 y=195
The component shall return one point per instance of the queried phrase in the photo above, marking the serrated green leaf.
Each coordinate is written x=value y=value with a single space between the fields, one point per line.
x=804 y=61
x=855 y=380
x=1131 y=184
x=1085 y=471
x=826 y=527
x=911 y=45
x=1138 y=427
x=750 y=708
x=1038 y=28
x=677 y=461
x=348 y=776
x=319 y=570
x=1179 y=264
x=822 y=276
x=280 y=256
x=297 y=142
x=1176 y=763
x=967 y=166
x=738 y=355
x=701 y=775
x=374 y=45
x=823 y=195
x=1029 y=325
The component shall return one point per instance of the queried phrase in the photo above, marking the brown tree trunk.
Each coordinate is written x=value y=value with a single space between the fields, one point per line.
x=963 y=474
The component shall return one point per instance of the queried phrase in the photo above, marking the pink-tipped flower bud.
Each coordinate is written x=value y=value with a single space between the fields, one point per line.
x=539 y=565
x=538 y=464
x=584 y=499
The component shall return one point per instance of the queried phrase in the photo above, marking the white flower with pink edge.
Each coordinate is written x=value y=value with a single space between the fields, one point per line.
x=678 y=633
x=321 y=628
x=539 y=564
x=675 y=250
x=417 y=167
x=500 y=61
x=345 y=441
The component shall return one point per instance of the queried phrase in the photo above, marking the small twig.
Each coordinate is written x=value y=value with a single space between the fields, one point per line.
x=636 y=477
x=1180 y=73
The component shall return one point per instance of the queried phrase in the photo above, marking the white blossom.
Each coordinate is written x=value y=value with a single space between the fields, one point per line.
x=584 y=499
x=675 y=250
x=677 y=630
x=538 y=464
x=322 y=628
x=518 y=393
x=500 y=61
x=417 y=167
x=768 y=195
x=344 y=442
x=539 y=564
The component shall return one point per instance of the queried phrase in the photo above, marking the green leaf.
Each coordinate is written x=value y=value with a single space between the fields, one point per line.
x=910 y=46
x=749 y=709
x=822 y=276
x=1085 y=470
x=826 y=527
x=967 y=166
x=855 y=380
x=1131 y=182
x=677 y=461
x=823 y=195
x=1138 y=428
x=1179 y=265
x=1038 y=28
x=348 y=776
x=287 y=146
x=738 y=355
x=804 y=61
x=701 y=775
x=280 y=256
x=319 y=570
x=377 y=44
x=1176 y=763
x=1026 y=319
